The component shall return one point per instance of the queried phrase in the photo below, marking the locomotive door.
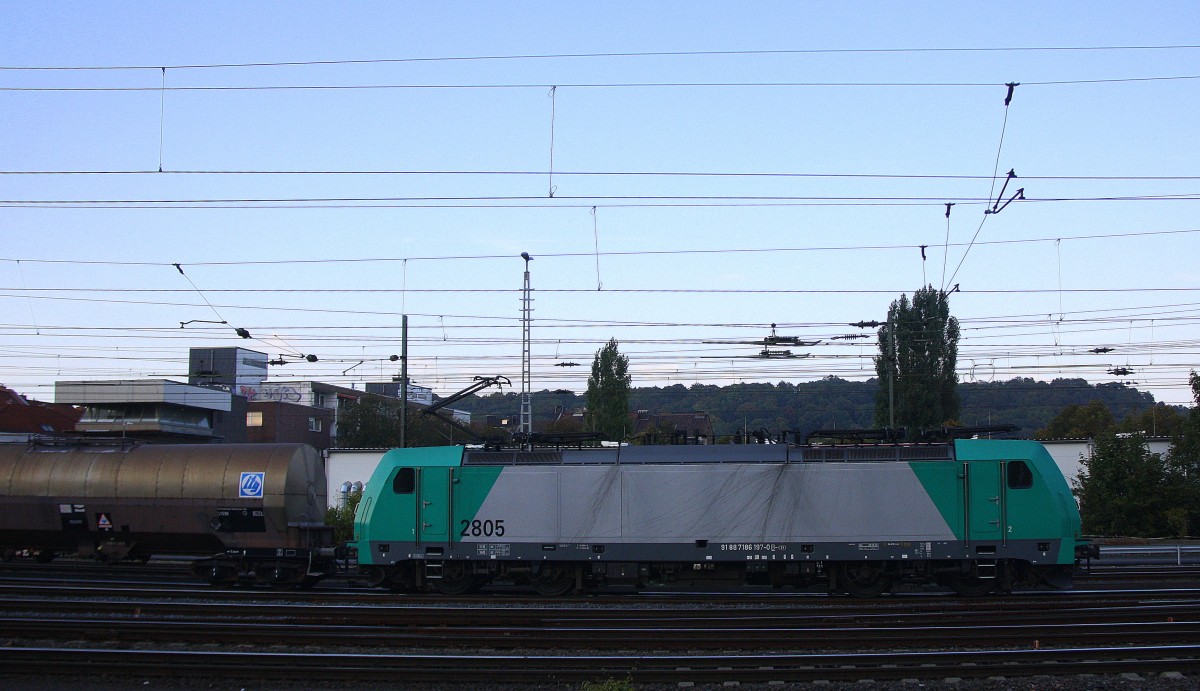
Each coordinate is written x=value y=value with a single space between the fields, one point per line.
x=433 y=505
x=984 y=496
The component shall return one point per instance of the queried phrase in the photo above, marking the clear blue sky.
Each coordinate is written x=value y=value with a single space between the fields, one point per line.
x=830 y=136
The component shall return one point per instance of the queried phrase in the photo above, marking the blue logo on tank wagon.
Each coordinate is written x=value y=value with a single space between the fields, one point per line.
x=251 y=485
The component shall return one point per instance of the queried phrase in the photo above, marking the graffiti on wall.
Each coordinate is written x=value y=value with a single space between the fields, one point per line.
x=277 y=392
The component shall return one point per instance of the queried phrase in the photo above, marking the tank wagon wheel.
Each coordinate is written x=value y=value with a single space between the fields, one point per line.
x=864 y=580
x=216 y=574
x=555 y=580
x=456 y=579
x=281 y=577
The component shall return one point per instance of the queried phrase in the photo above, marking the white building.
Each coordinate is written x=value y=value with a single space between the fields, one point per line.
x=1069 y=453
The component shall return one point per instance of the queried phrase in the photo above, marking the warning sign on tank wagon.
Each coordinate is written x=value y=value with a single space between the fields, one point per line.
x=251 y=485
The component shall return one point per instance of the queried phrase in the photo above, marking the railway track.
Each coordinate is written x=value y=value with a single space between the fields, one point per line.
x=654 y=667
x=1180 y=627
x=166 y=627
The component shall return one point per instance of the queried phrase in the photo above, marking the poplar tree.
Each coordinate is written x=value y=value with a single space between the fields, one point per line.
x=608 y=392
x=918 y=351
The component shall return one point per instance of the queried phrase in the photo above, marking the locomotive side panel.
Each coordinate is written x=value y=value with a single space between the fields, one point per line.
x=739 y=503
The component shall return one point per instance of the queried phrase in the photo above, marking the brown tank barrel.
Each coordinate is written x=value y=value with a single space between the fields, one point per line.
x=177 y=498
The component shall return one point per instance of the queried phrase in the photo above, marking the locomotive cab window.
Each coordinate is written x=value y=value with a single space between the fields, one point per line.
x=405 y=481
x=1019 y=475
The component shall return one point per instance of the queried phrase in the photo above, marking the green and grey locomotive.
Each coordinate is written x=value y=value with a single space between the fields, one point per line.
x=973 y=515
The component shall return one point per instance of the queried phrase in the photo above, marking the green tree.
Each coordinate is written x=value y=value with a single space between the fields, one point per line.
x=1079 y=422
x=370 y=423
x=341 y=518
x=918 y=351
x=1125 y=490
x=373 y=422
x=608 y=392
x=1158 y=420
x=1183 y=458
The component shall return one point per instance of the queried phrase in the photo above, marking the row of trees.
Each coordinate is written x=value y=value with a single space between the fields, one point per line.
x=832 y=402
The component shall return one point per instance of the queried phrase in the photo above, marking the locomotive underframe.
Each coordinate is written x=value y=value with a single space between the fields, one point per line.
x=858 y=569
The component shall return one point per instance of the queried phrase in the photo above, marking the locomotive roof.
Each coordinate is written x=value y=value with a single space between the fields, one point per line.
x=720 y=453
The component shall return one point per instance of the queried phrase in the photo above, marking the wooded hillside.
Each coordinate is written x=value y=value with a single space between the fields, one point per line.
x=834 y=403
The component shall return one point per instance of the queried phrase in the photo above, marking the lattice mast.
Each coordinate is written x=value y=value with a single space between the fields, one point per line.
x=526 y=321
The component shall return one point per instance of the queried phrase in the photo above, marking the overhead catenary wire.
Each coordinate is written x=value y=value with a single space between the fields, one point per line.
x=603 y=173
x=626 y=201
x=630 y=54
x=586 y=85
x=610 y=253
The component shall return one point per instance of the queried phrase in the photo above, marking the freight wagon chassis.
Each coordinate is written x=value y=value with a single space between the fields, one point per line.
x=278 y=568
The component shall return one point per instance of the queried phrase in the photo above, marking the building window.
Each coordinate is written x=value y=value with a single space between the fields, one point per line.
x=314 y=424
x=254 y=419
x=318 y=400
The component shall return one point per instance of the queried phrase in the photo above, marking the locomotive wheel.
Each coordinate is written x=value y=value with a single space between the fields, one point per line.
x=375 y=576
x=554 y=581
x=864 y=580
x=456 y=579
x=402 y=578
x=972 y=586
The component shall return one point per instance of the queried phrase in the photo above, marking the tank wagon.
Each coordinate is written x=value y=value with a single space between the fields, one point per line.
x=972 y=515
x=251 y=511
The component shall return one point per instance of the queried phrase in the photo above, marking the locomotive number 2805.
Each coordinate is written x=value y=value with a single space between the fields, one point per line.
x=478 y=528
